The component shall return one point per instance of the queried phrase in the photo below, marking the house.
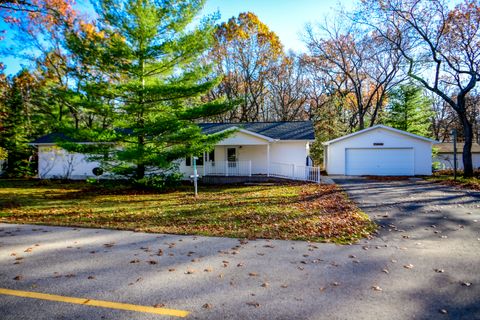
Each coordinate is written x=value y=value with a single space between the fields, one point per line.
x=445 y=155
x=381 y=151
x=276 y=149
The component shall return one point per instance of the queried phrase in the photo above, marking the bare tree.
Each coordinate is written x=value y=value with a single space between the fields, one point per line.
x=288 y=93
x=361 y=65
x=440 y=45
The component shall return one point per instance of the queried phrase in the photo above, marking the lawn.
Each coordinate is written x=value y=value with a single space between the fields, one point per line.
x=289 y=211
x=446 y=177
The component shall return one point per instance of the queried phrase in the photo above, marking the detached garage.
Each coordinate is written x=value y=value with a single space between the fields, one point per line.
x=379 y=151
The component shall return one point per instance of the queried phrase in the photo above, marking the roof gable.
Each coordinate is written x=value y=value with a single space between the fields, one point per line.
x=380 y=126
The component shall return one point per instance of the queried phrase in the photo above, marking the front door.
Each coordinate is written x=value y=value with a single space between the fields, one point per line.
x=231 y=156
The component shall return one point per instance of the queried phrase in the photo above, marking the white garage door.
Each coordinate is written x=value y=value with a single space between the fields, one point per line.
x=379 y=162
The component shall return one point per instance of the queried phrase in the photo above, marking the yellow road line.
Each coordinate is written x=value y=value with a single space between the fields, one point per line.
x=94 y=303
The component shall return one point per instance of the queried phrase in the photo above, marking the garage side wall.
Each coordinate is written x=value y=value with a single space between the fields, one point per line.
x=422 y=149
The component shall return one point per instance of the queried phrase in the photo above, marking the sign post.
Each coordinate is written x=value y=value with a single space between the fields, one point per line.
x=454 y=137
x=195 y=176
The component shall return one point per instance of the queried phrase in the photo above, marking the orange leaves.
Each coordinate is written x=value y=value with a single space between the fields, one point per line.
x=249 y=30
x=90 y=31
x=288 y=211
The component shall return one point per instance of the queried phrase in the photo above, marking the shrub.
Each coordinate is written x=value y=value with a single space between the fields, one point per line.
x=160 y=182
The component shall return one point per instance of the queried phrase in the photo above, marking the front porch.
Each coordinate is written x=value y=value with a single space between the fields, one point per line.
x=255 y=158
x=241 y=171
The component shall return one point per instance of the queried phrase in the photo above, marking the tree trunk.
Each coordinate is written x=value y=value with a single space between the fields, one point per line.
x=140 y=171
x=467 y=148
x=361 y=121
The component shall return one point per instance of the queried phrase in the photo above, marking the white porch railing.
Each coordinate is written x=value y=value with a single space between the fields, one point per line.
x=228 y=168
x=278 y=170
x=292 y=171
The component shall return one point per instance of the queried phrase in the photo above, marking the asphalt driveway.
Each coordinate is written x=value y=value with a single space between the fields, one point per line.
x=424 y=264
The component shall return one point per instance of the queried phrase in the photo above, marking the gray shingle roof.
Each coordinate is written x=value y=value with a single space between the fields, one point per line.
x=287 y=130
x=53 y=138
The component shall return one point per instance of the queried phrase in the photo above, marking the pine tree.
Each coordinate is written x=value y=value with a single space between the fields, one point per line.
x=146 y=57
x=410 y=110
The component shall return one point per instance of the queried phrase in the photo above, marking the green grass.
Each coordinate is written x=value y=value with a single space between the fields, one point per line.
x=289 y=211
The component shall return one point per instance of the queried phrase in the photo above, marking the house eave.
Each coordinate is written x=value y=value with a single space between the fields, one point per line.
x=380 y=126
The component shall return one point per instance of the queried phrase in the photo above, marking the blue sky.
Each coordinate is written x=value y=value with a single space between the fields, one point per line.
x=287 y=18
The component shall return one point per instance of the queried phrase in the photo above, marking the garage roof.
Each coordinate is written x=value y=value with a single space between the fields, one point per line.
x=380 y=126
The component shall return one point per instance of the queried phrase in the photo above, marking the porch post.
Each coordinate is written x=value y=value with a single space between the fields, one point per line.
x=268 y=159
x=250 y=168
x=204 y=164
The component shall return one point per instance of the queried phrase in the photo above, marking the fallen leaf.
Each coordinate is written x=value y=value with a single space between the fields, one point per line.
x=466 y=284
x=208 y=270
x=135 y=261
x=91 y=277
x=284 y=286
x=190 y=271
x=152 y=262
x=253 y=274
x=377 y=288
x=207 y=306
x=439 y=270
x=443 y=311
x=335 y=284
x=159 y=305
x=171 y=269
x=18 y=278
x=385 y=270
x=265 y=284
x=408 y=266
x=253 y=304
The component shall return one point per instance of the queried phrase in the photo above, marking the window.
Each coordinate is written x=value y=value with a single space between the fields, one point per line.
x=188 y=161
x=200 y=161
x=211 y=156
x=232 y=154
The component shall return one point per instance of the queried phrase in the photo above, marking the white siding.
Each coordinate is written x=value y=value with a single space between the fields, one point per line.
x=57 y=163
x=422 y=150
x=291 y=152
x=446 y=160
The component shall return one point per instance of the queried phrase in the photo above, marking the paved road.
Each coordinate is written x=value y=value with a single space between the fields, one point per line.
x=425 y=227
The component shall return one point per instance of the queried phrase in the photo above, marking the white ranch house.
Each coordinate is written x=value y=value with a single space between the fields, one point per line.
x=261 y=150
x=255 y=150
